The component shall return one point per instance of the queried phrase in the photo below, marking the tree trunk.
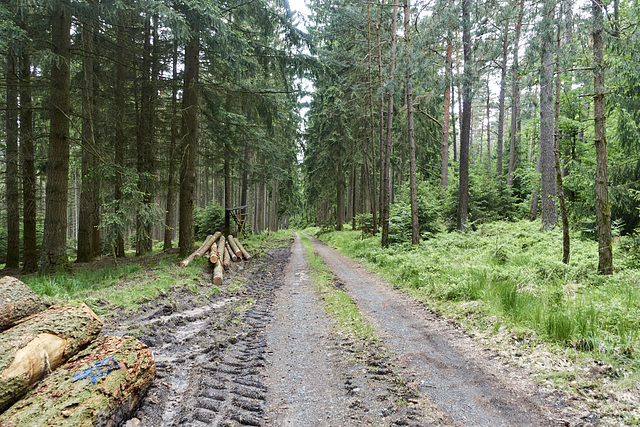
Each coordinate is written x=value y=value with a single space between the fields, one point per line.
x=515 y=100
x=549 y=214
x=120 y=142
x=63 y=400
x=339 y=196
x=189 y=144
x=488 y=128
x=54 y=248
x=168 y=227
x=218 y=273
x=27 y=151
x=503 y=88
x=444 y=166
x=380 y=114
x=37 y=346
x=370 y=177
x=413 y=185
x=87 y=218
x=234 y=246
x=603 y=209
x=387 y=152
x=12 y=167
x=465 y=130
x=244 y=252
x=566 y=239
x=17 y=301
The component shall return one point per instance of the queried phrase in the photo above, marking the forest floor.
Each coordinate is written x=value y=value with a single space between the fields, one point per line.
x=262 y=350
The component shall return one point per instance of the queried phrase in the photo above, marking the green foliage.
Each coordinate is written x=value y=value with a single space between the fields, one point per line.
x=514 y=272
x=364 y=223
x=429 y=200
x=489 y=200
x=208 y=220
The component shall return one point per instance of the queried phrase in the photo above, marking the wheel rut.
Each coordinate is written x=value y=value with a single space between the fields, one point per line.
x=463 y=382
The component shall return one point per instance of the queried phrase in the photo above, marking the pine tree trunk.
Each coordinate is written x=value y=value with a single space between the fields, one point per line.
x=120 y=142
x=549 y=213
x=171 y=182
x=189 y=144
x=603 y=209
x=17 y=301
x=503 y=88
x=370 y=177
x=339 y=196
x=387 y=152
x=465 y=130
x=413 y=185
x=515 y=100
x=566 y=239
x=444 y=172
x=12 y=167
x=54 y=250
x=27 y=152
x=89 y=190
x=488 y=129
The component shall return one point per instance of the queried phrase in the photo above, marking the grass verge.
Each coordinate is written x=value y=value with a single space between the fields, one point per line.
x=506 y=284
x=337 y=302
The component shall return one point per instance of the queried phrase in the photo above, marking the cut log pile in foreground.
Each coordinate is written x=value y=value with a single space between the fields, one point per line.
x=80 y=381
x=220 y=254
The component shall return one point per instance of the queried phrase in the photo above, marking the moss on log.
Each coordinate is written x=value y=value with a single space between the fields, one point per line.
x=63 y=400
x=32 y=349
x=17 y=301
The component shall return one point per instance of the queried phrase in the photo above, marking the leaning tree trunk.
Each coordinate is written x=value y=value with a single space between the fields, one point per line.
x=603 y=209
x=54 y=248
x=189 y=145
x=37 y=346
x=12 y=156
x=68 y=398
x=387 y=150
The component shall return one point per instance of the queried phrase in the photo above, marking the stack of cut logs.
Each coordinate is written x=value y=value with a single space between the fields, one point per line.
x=81 y=380
x=221 y=254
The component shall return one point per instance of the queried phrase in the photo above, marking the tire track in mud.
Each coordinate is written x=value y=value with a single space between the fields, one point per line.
x=460 y=380
x=210 y=354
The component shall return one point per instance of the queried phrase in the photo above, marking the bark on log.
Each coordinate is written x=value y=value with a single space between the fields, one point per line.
x=232 y=242
x=213 y=257
x=218 y=273
x=68 y=398
x=245 y=254
x=226 y=261
x=204 y=247
x=17 y=301
x=41 y=343
x=234 y=258
x=221 y=248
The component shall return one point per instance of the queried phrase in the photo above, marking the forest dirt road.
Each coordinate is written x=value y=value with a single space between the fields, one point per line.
x=263 y=352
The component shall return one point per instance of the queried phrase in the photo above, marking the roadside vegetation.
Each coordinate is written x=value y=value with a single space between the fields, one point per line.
x=338 y=303
x=136 y=280
x=506 y=284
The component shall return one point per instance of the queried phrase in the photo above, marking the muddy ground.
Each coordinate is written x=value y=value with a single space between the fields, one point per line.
x=263 y=352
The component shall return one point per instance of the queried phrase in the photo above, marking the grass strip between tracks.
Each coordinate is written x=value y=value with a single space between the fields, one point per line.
x=337 y=302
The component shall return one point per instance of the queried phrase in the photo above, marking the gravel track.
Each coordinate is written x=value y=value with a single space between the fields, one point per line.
x=466 y=384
